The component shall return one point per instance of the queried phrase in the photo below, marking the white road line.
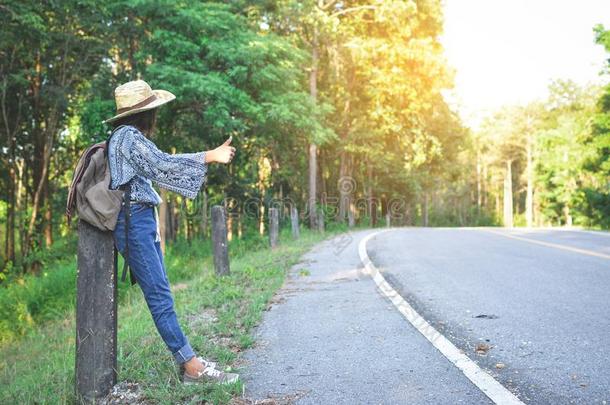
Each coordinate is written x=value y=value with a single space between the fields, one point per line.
x=552 y=245
x=479 y=377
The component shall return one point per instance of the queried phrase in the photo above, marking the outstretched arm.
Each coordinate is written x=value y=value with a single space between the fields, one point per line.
x=182 y=173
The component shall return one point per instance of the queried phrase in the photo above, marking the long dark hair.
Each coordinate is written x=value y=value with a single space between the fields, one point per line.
x=145 y=121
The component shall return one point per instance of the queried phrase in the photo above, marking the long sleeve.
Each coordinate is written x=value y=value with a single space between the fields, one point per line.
x=182 y=173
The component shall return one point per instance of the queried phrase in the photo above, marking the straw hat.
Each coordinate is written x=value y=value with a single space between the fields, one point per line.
x=137 y=96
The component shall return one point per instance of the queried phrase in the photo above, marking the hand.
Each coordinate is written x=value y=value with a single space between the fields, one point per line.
x=222 y=154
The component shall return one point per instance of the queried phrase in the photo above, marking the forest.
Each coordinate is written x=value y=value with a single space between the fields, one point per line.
x=334 y=107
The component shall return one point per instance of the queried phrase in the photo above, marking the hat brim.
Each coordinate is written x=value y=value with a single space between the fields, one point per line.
x=163 y=97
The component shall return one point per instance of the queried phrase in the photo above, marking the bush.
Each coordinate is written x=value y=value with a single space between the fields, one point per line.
x=33 y=299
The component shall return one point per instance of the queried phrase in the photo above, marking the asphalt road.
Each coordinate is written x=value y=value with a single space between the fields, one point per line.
x=539 y=300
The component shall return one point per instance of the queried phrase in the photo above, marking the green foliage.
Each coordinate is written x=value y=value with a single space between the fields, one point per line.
x=27 y=302
x=569 y=184
x=597 y=196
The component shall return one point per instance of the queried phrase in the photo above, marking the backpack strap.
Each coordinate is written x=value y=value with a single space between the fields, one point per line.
x=126 y=210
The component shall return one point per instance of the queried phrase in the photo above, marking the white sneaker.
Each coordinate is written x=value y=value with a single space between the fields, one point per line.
x=207 y=363
x=210 y=374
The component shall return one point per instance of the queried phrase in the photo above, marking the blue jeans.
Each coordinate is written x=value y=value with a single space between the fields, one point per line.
x=146 y=262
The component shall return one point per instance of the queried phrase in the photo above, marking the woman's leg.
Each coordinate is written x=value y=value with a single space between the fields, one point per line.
x=150 y=274
x=194 y=365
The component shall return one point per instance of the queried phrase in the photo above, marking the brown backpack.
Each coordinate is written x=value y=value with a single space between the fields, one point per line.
x=91 y=196
x=90 y=190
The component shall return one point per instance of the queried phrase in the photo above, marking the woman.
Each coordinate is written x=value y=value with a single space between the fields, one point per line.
x=136 y=162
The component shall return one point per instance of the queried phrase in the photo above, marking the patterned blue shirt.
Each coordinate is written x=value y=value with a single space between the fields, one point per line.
x=133 y=157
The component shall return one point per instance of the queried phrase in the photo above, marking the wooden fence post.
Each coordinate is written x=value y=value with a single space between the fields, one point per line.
x=294 y=221
x=320 y=220
x=273 y=227
x=96 y=314
x=219 y=241
x=351 y=221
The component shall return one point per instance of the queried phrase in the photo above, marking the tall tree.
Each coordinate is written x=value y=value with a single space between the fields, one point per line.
x=51 y=51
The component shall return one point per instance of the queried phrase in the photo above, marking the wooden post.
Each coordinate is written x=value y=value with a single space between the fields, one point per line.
x=204 y=215
x=261 y=220
x=96 y=314
x=294 y=221
x=320 y=220
x=388 y=219
x=230 y=227
x=273 y=227
x=240 y=226
x=219 y=241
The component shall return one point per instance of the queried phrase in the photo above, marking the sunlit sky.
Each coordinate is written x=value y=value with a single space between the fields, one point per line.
x=508 y=51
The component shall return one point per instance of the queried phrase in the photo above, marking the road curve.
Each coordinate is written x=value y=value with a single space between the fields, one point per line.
x=536 y=302
x=542 y=308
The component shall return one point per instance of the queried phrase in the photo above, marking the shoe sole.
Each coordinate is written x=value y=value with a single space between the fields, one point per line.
x=189 y=380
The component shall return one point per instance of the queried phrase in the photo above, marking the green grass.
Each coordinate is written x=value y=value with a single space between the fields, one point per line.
x=217 y=314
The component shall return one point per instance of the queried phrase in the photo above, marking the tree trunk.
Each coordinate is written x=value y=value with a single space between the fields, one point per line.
x=321 y=187
x=369 y=191
x=568 y=216
x=48 y=214
x=346 y=186
x=219 y=241
x=10 y=217
x=426 y=198
x=313 y=149
x=38 y=195
x=508 y=195
x=9 y=117
x=529 y=198
x=460 y=212
x=479 y=183
x=498 y=204
x=261 y=220
x=170 y=219
x=185 y=220
x=20 y=194
x=175 y=219
x=240 y=226
x=312 y=184
x=484 y=187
